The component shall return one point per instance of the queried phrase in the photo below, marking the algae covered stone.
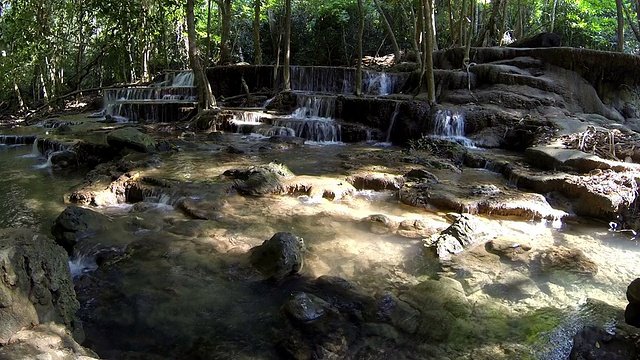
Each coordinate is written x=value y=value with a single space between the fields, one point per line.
x=131 y=138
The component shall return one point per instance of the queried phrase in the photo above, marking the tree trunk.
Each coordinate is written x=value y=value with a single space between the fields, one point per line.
x=634 y=27
x=503 y=24
x=225 y=34
x=433 y=32
x=203 y=89
x=620 y=16
x=256 y=32
x=467 y=48
x=286 y=74
x=427 y=81
x=360 y=35
x=207 y=58
x=452 y=26
x=463 y=21
x=387 y=26
x=553 y=15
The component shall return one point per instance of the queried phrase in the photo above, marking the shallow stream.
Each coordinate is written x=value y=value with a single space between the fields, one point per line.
x=187 y=286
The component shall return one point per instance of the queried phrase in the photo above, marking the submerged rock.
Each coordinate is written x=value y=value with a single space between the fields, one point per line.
x=45 y=341
x=380 y=224
x=131 y=138
x=76 y=223
x=35 y=284
x=570 y=260
x=304 y=307
x=509 y=249
x=279 y=256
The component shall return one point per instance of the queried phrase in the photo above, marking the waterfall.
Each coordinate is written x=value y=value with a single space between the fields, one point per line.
x=378 y=83
x=392 y=122
x=160 y=101
x=321 y=130
x=314 y=107
x=449 y=125
x=183 y=79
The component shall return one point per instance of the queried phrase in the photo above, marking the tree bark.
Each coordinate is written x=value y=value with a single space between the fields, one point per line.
x=467 y=49
x=208 y=57
x=634 y=27
x=203 y=89
x=286 y=74
x=553 y=16
x=620 y=16
x=256 y=32
x=427 y=81
x=387 y=26
x=360 y=35
x=225 y=33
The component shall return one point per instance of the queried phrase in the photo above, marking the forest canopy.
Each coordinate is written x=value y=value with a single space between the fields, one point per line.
x=49 y=48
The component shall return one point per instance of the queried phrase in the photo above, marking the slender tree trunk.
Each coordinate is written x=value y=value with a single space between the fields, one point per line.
x=225 y=53
x=256 y=31
x=387 y=26
x=360 y=35
x=620 y=16
x=207 y=58
x=463 y=21
x=416 y=38
x=19 y=96
x=429 y=80
x=634 y=27
x=519 y=32
x=503 y=24
x=286 y=75
x=452 y=27
x=433 y=31
x=205 y=97
x=467 y=48
x=553 y=15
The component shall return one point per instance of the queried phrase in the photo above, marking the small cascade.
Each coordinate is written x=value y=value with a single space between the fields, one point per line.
x=160 y=101
x=449 y=125
x=320 y=129
x=323 y=79
x=314 y=107
x=17 y=140
x=379 y=83
x=392 y=122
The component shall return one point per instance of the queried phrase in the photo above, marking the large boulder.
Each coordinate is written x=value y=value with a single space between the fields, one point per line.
x=76 y=223
x=131 y=138
x=260 y=180
x=35 y=284
x=279 y=256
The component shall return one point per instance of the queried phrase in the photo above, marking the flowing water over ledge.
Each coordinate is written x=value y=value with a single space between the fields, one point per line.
x=180 y=288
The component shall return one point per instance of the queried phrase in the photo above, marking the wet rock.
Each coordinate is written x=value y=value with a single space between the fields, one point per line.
x=305 y=307
x=454 y=239
x=512 y=285
x=215 y=136
x=45 y=341
x=376 y=181
x=633 y=292
x=475 y=268
x=397 y=312
x=35 y=284
x=232 y=149
x=76 y=223
x=414 y=228
x=284 y=139
x=421 y=174
x=131 y=138
x=569 y=260
x=317 y=187
x=64 y=159
x=594 y=343
x=207 y=119
x=380 y=224
x=632 y=315
x=508 y=249
x=279 y=256
x=440 y=302
x=261 y=179
x=208 y=207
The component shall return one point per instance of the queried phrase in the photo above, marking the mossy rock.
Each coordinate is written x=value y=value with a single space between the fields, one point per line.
x=131 y=138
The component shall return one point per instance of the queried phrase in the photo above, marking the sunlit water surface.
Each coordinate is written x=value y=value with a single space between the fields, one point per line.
x=339 y=244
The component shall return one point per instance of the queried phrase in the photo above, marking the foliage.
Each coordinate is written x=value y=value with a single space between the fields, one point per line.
x=51 y=47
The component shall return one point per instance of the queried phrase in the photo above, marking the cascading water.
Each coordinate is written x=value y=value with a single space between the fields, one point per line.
x=392 y=122
x=313 y=119
x=159 y=101
x=342 y=80
x=449 y=125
